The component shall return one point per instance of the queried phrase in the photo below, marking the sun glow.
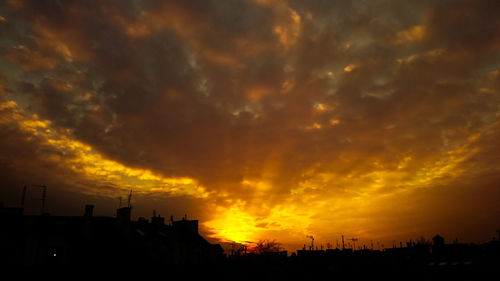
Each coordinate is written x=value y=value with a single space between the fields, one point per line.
x=233 y=224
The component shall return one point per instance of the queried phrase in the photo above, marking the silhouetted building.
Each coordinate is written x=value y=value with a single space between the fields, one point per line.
x=101 y=241
x=438 y=241
x=186 y=225
x=437 y=244
x=158 y=220
x=123 y=218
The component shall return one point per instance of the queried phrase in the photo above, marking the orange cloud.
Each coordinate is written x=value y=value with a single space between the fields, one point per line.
x=92 y=166
x=412 y=34
x=29 y=60
x=242 y=107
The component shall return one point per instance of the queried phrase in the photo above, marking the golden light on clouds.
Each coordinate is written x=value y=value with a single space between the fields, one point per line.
x=90 y=165
x=241 y=224
x=320 y=107
x=412 y=34
x=233 y=224
x=264 y=119
x=311 y=204
x=334 y=122
x=288 y=34
x=349 y=67
x=314 y=126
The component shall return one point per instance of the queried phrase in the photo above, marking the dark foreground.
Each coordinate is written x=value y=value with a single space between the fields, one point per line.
x=89 y=246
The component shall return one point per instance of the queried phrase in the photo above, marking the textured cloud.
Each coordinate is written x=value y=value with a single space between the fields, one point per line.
x=283 y=118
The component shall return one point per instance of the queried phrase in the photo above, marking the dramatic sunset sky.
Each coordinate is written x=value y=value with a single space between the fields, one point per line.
x=263 y=119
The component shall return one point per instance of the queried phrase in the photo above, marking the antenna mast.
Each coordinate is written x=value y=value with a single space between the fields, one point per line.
x=129 y=198
x=44 y=195
x=312 y=241
x=353 y=243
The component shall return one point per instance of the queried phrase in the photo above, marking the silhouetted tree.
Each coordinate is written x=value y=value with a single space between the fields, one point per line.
x=266 y=246
x=423 y=241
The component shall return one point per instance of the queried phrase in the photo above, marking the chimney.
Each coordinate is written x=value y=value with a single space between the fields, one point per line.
x=89 y=211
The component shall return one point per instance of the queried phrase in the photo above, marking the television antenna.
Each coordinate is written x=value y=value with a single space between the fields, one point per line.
x=354 y=240
x=44 y=194
x=312 y=241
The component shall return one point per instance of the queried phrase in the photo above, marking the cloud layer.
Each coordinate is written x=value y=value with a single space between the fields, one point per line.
x=275 y=119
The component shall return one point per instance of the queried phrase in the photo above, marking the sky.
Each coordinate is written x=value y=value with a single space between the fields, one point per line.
x=378 y=120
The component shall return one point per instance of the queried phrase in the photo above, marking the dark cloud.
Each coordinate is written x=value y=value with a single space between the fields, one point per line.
x=328 y=97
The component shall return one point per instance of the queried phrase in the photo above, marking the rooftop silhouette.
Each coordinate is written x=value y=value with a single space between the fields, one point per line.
x=88 y=240
x=99 y=243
